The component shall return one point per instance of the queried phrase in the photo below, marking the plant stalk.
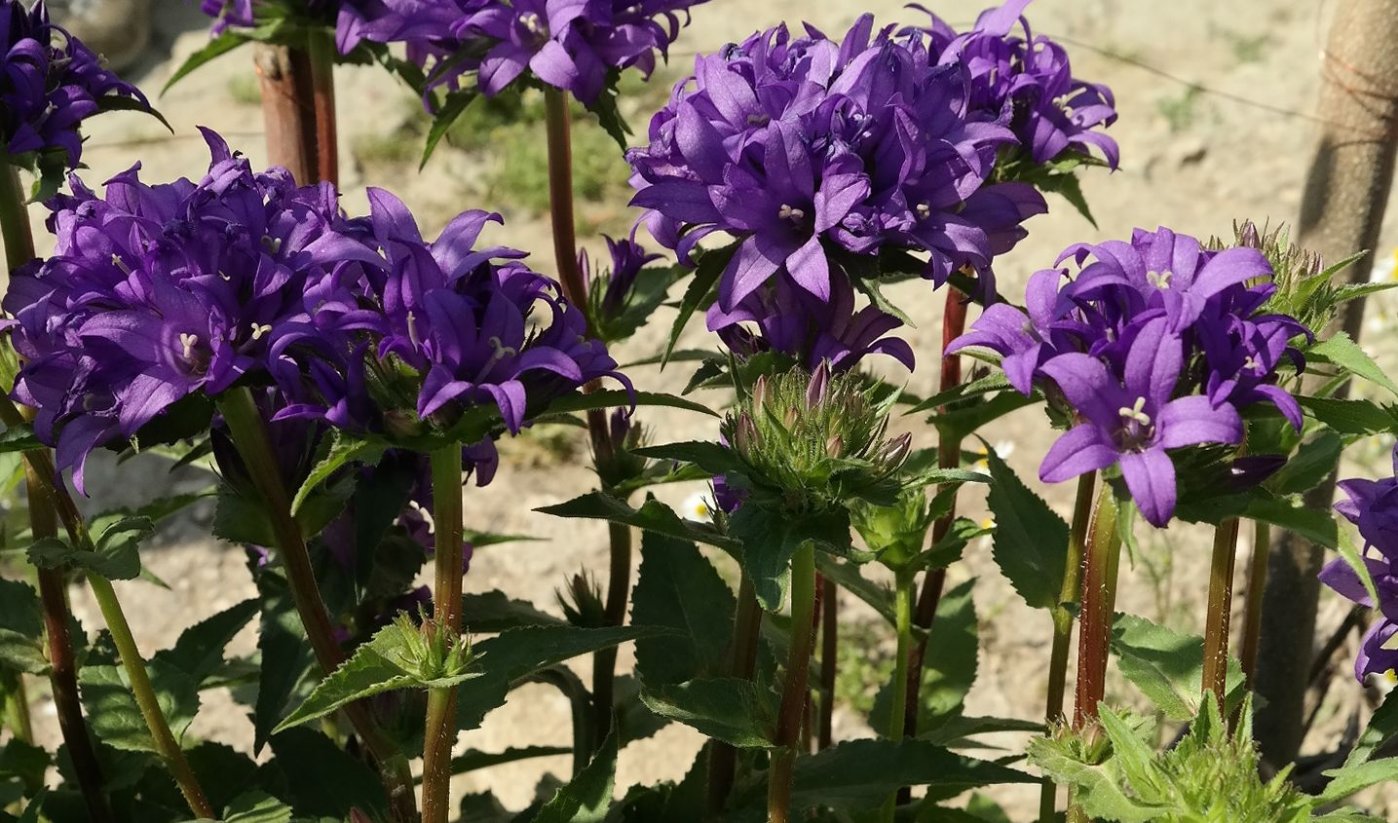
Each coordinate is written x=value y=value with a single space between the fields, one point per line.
x=251 y=439
x=1252 y=604
x=320 y=54
x=1218 y=610
x=63 y=671
x=1063 y=626
x=288 y=85
x=440 y=735
x=1101 y=559
x=14 y=219
x=948 y=457
x=618 y=595
x=795 y=690
x=829 y=661
x=903 y=586
x=742 y=660
x=144 y=692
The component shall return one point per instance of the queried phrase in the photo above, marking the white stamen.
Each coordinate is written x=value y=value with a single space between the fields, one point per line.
x=225 y=276
x=260 y=329
x=1159 y=279
x=1250 y=364
x=187 y=343
x=121 y=264
x=272 y=244
x=412 y=330
x=1136 y=412
x=532 y=23
x=426 y=515
x=787 y=212
x=923 y=210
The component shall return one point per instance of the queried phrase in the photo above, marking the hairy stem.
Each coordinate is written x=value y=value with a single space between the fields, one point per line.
x=287 y=81
x=144 y=692
x=903 y=585
x=1218 y=610
x=251 y=438
x=320 y=56
x=829 y=660
x=440 y=736
x=1252 y=605
x=1102 y=556
x=63 y=672
x=618 y=595
x=742 y=659
x=14 y=220
x=1063 y=626
x=795 y=690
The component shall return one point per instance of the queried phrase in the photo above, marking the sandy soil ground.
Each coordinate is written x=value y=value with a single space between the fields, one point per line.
x=1194 y=159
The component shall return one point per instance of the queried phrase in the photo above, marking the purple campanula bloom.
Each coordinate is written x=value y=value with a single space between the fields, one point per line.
x=156 y=292
x=573 y=45
x=1155 y=344
x=804 y=149
x=49 y=83
x=612 y=289
x=1027 y=82
x=454 y=324
x=1132 y=419
x=1372 y=506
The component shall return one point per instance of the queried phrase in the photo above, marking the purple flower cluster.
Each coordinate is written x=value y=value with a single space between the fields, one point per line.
x=49 y=83
x=1154 y=345
x=156 y=293
x=1027 y=83
x=1372 y=507
x=572 y=45
x=613 y=288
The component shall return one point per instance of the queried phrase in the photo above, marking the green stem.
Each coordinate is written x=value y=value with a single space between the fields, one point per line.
x=794 y=689
x=1252 y=606
x=17 y=718
x=829 y=660
x=250 y=437
x=144 y=692
x=557 y=122
x=904 y=583
x=1063 y=627
x=580 y=702
x=742 y=659
x=63 y=667
x=604 y=662
x=1217 y=613
x=446 y=597
x=1099 y=577
x=14 y=219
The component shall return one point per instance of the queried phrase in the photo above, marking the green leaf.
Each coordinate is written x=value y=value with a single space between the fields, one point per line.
x=288 y=669
x=199 y=651
x=1315 y=525
x=494 y=611
x=25 y=762
x=217 y=47
x=949 y=667
x=343 y=449
x=850 y=578
x=473 y=759
x=1309 y=466
x=1352 y=557
x=446 y=114
x=1356 y=778
x=680 y=589
x=386 y=663
x=620 y=398
x=652 y=516
x=990 y=384
x=21 y=629
x=323 y=780
x=114 y=555
x=1168 y=667
x=509 y=658
x=1342 y=351
x=1383 y=727
x=257 y=807
x=706 y=274
x=585 y=799
x=1353 y=417
x=112 y=711
x=857 y=775
x=949 y=549
x=769 y=541
x=738 y=712
x=19 y=439
x=1031 y=541
x=963 y=422
x=714 y=458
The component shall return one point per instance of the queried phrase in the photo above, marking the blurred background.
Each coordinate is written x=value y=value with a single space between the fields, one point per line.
x=1216 y=124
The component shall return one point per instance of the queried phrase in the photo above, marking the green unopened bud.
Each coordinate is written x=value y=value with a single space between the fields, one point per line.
x=896 y=533
x=432 y=651
x=621 y=464
x=582 y=602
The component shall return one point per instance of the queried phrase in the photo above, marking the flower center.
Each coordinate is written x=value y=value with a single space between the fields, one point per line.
x=187 y=343
x=121 y=264
x=271 y=244
x=259 y=329
x=923 y=211
x=791 y=214
x=758 y=119
x=1159 y=279
x=1135 y=413
x=535 y=25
